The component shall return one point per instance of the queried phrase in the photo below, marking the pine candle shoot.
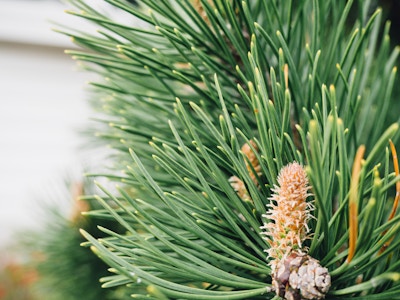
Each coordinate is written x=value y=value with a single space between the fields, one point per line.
x=295 y=274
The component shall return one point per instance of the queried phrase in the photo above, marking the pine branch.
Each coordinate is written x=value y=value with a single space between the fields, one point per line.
x=294 y=81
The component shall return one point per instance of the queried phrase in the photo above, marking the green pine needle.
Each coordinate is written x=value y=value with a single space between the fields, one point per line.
x=304 y=81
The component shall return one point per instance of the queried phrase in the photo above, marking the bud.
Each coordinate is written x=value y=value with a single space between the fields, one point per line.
x=252 y=165
x=200 y=9
x=286 y=227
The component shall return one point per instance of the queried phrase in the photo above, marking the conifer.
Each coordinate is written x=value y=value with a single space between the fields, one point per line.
x=251 y=148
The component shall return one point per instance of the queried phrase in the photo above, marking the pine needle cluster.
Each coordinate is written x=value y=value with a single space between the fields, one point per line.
x=306 y=81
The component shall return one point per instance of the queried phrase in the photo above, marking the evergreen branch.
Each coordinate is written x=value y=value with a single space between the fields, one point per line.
x=215 y=90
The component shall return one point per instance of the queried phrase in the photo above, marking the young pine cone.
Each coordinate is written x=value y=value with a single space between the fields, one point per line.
x=299 y=276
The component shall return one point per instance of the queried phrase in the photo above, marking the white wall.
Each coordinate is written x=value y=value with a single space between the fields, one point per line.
x=42 y=105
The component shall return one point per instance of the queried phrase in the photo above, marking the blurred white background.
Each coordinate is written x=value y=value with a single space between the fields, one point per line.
x=43 y=104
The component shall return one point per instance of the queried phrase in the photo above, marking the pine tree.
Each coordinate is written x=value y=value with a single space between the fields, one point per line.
x=254 y=148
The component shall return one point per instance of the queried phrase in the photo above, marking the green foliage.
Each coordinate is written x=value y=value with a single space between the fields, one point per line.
x=64 y=269
x=185 y=91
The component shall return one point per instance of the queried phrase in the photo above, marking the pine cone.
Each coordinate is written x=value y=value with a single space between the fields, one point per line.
x=299 y=276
